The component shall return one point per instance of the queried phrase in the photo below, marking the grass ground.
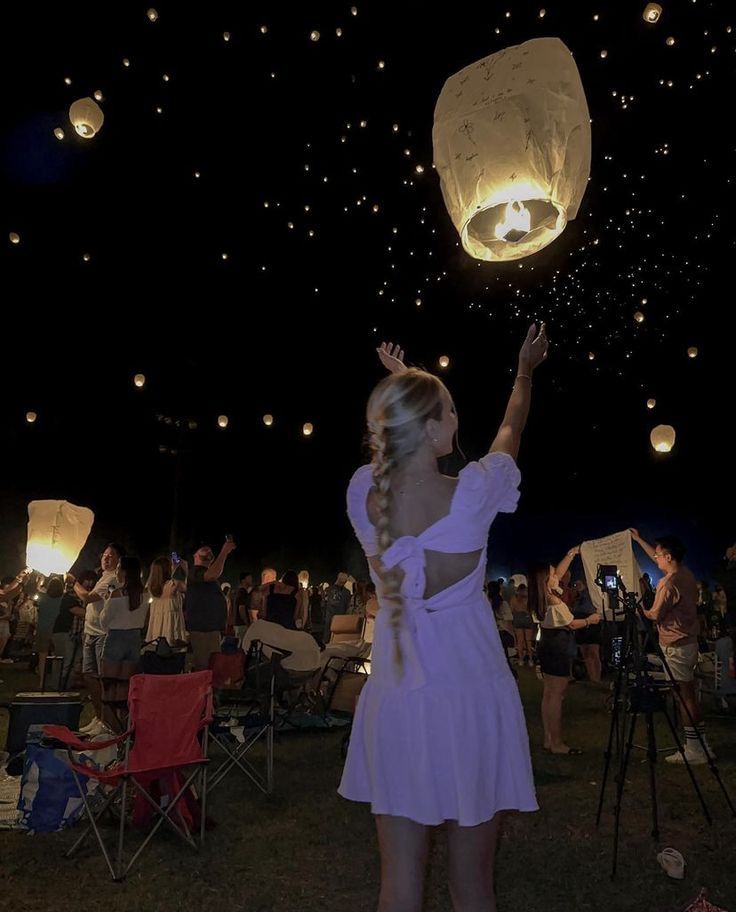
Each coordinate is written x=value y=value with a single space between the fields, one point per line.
x=304 y=848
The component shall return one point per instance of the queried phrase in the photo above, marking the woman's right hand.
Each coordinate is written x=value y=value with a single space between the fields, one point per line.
x=635 y=535
x=534 y=350
x=392 y=357
x=594 y=619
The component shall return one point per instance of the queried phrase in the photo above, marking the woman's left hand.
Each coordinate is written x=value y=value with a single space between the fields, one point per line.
x=392 y=358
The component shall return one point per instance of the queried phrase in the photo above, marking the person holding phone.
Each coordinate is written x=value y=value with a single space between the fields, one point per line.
x=205 y=609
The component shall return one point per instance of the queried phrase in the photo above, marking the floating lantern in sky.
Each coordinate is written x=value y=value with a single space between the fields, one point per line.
x=511 y=142
x=226 y=36
x=57 y=531
x=651 y=403
x=86 y=257
x=58 y=133
x=268 y=420
x=223 y=421
x=354 y=10
x=308 y=429
x=604 y=54
x=97 y=95
x=304 y=579
x=139 y=380
x=542 y=13
x=31 y=417
x=152 y=14
x=86 y=116
x=126 y=62
x=591 y=356
x=670 y=41
x=639 y=316
x=14 y=237
x=652 y=12
x=444 y=361
x=314 y=35
x=692 y=352
x=663 y=438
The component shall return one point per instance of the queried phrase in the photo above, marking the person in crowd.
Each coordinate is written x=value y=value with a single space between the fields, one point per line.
x=588 y=638
x=241 y=605
x=523 y=626
x=204 y=604
x=166 y=606
x=675 y=615
x=48 y=605
x=502 y=614
x=282 y=601
x=68 y=629
x=554 y=651
x=258 y=595
x=230 y=617
x=10 y=589
x=336 y=601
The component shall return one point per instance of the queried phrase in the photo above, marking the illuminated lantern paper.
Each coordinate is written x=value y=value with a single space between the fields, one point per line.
x=692 y=352
x=444 y=361
x=86 y=117
x=268 y=420
x=139 y=380
x=308 y=429
x=663 y=438
x=31 y=417
x=57 y=531
x=304 y=579
x=511 y=141
x=652 y=12
x=223 y=421
x=14 y=237
x=651 y=403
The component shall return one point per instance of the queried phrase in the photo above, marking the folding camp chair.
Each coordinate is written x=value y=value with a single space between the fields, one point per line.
x=164 y=749
x=245 y=714
x=346 y=628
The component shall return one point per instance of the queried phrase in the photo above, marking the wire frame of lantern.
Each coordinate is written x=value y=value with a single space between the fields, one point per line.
x=692 y=352
x=652 y=12
x=268 y=420
x=31 y=417
x=663 y=438
x=86 y=117
x=511 y=141
x=651 y=403
x=139 y=380
x=308 y=429
x=222 y=421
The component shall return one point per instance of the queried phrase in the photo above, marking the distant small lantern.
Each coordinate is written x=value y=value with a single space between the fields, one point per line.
x=268 y=420
x=86 y=257
x=97 y=95
x=223 y=421
x=639 y=316
x=652 y=12
x=308 y=429
x=663 y=438
x=192 y=425
x=651 y=403
x=126 y=61
x=314 y=35
x=139 y=380
x=604 y=54
x=444 y=361
x=670 y=41
x=226 y=36
x=152 y=14
x=31 y=417
x=14 y=237
x=591 y=356
x=512 y=147
x=59 y=133
x=692 y=352
x=86 y=117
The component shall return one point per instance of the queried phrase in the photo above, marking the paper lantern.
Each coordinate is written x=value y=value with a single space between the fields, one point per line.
x=152 y=14
x=86 y=116
x=314 y=35
x=511 y=142
x=140 y=380
x=57 y=531
x=31 y=417
x=663 y=438
x=652 y=12
x=268 y=420
x=308 y=429
x=226 y=36
x=651 y=403
x=692 y=352
x=304 y=579
x=639 y=316
x=222 y=421
x=14 y=237
x=670 y=41
x=58 y=133
x=444 y=361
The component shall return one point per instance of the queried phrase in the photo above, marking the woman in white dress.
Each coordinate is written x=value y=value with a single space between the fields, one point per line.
x=166 y=617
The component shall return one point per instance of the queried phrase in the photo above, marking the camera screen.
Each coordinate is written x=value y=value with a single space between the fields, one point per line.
x=611 y=582
x=616 y=644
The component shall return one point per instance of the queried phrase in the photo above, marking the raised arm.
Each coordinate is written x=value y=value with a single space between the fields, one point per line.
x=564 y=564
x=533 y=353
x=392 y=357
x=645 y=546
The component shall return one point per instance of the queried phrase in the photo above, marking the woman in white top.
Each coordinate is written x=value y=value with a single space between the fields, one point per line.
x=557 y=624
x=165 y=612
x=123 y=617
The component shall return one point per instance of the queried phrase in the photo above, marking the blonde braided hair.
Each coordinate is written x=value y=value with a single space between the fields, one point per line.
x=398 y=410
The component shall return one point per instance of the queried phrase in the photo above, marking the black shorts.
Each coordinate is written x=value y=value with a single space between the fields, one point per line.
x=553 y=652
x=588 y=636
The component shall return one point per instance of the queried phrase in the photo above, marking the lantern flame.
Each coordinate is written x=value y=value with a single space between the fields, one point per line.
x=517 y=220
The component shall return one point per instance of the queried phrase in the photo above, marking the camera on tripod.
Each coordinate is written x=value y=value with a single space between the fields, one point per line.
x=607 y=578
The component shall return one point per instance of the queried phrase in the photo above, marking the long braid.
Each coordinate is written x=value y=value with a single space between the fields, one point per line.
x=383 y=465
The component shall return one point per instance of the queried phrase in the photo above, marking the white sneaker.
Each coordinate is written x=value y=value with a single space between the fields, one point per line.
x=86 y=729
x=693 y=757
x=99 y=729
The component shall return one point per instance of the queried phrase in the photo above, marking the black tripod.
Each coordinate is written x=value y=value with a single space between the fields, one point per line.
x=637 y=693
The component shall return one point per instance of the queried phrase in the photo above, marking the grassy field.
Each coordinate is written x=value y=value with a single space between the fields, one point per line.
x=304 y=848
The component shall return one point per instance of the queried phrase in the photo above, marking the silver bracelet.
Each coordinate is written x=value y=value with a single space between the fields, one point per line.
x=523 y=377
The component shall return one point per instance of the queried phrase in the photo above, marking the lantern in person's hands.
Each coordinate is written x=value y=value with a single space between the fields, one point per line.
x=511 y=141
x=57 y=531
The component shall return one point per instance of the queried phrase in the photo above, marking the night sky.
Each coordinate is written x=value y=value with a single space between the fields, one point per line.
x=246 y=248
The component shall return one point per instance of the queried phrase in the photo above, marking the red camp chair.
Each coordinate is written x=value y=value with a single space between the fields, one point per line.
x=165 y=751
